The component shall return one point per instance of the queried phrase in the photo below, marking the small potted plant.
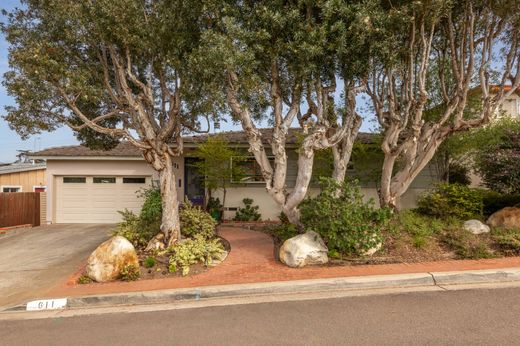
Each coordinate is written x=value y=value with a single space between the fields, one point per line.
x=215 y=208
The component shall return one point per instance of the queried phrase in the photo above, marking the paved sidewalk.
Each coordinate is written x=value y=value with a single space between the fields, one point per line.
x=251 y=260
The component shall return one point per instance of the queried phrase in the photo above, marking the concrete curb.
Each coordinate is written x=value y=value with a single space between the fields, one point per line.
x=358 y=283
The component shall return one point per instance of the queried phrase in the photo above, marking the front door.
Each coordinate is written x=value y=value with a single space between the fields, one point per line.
x=194 y=186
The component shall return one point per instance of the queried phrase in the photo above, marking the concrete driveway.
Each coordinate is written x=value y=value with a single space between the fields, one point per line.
x=34 y=260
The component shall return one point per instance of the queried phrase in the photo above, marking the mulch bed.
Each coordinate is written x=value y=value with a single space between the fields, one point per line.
x=400 y=251
x=160 y=270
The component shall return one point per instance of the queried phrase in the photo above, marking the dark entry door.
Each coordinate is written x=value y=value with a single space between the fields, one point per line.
x=194 y=186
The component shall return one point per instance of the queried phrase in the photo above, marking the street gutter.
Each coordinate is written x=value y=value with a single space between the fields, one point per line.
x=257 y=292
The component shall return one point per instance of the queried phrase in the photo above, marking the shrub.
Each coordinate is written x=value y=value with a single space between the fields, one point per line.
x=458 y=174
x=452 y=200
x=214 y=208
x=151 y=210
x=507 y=241
x=494 y=201
x=339 y=214
x=149 y=262
x=498 y=161
x=249 y=212
x=139 y=230
x=465 y=244
x=129 y=272
x=282 y=232
x=193 y=251
x=132 y=229
x=195 y=221
x=419 y=227
x=84 y=279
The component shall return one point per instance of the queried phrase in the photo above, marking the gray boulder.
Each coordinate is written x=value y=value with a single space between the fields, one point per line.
x=476 y=227
x=303 y=250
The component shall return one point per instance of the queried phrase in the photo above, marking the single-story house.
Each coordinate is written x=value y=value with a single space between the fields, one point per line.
x=91 y=186
x=23 y=177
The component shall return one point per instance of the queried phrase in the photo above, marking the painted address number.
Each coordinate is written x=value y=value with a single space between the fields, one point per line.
x=47 y=304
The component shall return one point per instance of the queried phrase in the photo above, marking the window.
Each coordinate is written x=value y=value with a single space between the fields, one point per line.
x=247 y=170
x=74 y=180
x=39 y=188
x=134 y=180
x=11 y=189
x=104 y=180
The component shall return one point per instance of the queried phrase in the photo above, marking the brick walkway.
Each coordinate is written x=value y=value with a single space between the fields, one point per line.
x=251 y=260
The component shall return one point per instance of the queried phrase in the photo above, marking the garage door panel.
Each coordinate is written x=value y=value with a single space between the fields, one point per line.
x=96 y=202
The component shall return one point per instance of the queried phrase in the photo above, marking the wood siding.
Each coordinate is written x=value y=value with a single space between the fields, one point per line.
x=43 y=208
x=19 y=208
x=27 y=180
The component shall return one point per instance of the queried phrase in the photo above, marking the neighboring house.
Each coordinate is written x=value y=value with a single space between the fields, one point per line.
x=90 y=186
x=23 y=177
x=511 y=106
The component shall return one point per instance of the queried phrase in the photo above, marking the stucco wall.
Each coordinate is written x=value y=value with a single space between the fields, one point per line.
x=510 y=106
x=270 y=210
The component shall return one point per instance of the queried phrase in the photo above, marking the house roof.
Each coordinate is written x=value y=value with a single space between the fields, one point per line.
x=127 y=150
x=21 y=167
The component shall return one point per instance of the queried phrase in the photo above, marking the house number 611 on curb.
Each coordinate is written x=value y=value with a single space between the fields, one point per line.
x=47 y=304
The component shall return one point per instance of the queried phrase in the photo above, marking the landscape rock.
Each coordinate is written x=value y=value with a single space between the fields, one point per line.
x=476 y=227
x=220 y=258
x=373 y=249
x=157 y=243
x=107 y=261
x=508 y=217
x=303 y=250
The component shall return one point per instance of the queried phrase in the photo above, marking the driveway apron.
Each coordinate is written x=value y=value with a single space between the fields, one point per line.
x=33 y=260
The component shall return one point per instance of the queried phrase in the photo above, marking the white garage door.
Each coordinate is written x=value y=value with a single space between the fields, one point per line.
x=96 y=199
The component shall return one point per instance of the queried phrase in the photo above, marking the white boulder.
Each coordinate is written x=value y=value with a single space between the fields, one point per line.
x=373 y=249
x=303 y=250
x=106 y=262
x=476 y=227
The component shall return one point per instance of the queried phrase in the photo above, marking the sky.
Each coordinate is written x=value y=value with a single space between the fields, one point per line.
x=10 y=141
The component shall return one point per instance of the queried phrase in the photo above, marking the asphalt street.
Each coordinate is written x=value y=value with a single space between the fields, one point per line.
x=469 y=317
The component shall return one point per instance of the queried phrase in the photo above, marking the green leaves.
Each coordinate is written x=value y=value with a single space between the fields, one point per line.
x=215 y=162
x=452 y=200
x=192 y=251
x=196 y=222
x=347 y=224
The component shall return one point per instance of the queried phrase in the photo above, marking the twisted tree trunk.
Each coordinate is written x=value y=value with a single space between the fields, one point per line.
x=170 y=222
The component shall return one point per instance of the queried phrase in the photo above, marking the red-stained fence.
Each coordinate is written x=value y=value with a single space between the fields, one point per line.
x=19 y=208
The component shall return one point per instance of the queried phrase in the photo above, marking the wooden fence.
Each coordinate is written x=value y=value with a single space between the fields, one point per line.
x=19 y=208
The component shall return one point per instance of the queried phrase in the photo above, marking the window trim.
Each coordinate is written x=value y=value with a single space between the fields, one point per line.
x=11 y=187
x=39 y=187
x=69 y=176
x=249 y=157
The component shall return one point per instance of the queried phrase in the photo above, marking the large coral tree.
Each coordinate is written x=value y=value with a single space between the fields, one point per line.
x=280 y=64
x=461 y=45
x=111 y=70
